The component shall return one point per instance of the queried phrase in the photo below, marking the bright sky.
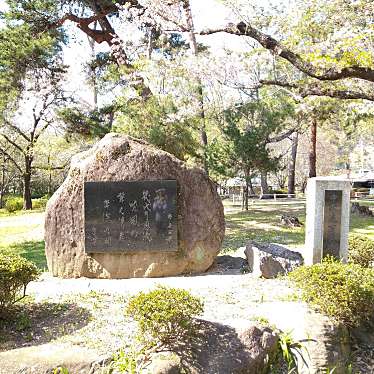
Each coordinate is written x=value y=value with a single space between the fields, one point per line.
x=207 y=14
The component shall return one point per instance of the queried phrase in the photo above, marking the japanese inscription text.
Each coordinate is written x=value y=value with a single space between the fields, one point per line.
x=332 y=223
x=130 y=216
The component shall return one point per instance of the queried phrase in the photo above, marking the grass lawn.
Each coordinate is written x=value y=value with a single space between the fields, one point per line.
x=262 y=223
x=22 y=232
x=5 y=213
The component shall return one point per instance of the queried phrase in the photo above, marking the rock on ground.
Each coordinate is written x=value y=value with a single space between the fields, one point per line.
x=117 y=157
x=221 y=349
x=271 y=260
x=363 y=210
x=325 y=345
x=46 y=357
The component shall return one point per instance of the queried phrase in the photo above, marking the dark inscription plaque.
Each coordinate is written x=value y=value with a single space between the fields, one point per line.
x=130 y=216
x=332 y=223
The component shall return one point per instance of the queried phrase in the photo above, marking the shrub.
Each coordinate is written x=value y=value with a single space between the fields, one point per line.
x=40 y=203
x=344 y=292
x=13 y=204
x=361 y=250
x=165 y=315
x=15 y=274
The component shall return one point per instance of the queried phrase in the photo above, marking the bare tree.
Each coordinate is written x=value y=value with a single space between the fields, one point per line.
x=21 y=138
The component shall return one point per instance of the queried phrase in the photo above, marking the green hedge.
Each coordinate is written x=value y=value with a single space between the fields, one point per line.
x=39 y=203
x=15 y=274
x=344 y=292
x=13 y=203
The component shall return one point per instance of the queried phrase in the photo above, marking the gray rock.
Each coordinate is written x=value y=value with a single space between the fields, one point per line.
x=271 y=260
x=222 y=349
x=165 y=363
x=44 y=358
x=117 y=157
x=325 y=344
x=291 y=221
x=362 y=210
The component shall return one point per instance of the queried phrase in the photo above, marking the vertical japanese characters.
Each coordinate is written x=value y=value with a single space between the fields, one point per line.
x=138 y=216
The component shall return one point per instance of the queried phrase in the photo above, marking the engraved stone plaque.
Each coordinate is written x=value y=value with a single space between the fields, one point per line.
x=130 y=216
x=332 y=223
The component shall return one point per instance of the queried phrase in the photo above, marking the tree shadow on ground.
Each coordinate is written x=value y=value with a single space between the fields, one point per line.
x=30 y=324
x=218 y=349
x=263 y=226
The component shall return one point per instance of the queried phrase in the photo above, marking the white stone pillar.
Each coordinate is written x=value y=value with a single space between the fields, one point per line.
x=327 y=219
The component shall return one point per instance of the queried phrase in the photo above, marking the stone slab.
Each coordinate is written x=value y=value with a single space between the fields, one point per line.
x=130 y=216
x=43 y=358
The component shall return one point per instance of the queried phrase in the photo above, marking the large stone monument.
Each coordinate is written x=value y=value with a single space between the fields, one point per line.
x=327 y=219
x=128 y=209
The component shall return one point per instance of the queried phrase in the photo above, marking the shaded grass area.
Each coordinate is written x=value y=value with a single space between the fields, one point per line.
x=31 y=250
x=93 y=320
x=29 y=323
x=362 y=226
x=262 y=223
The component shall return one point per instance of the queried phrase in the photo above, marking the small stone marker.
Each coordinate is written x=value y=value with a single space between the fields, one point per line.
x=327 y=219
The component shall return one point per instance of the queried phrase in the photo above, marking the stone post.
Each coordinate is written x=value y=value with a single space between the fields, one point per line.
x=327 y=219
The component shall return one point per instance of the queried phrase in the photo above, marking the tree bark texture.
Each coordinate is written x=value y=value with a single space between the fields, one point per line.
x=200 y=93
x=292 y=163
x=313 y=149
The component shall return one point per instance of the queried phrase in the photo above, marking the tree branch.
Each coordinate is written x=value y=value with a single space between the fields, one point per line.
x=46 y=125
x=271 y=44
x=16 y=129
x=108 y=35
x=320 y=91
x=13 y=144
x=5 y=153
x=280 y=137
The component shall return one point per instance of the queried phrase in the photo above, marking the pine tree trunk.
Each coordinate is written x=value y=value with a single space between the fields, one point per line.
x=200 y=93
x=313 y=149
x=203 y=134
x=246 y=190
x=292 y=164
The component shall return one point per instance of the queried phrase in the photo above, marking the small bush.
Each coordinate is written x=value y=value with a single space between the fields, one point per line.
x=344 y=292
x=361 y=251
x=39 y=203
x=165 y=315
x=15 y=274
x=279 y=191
x=13 y=204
